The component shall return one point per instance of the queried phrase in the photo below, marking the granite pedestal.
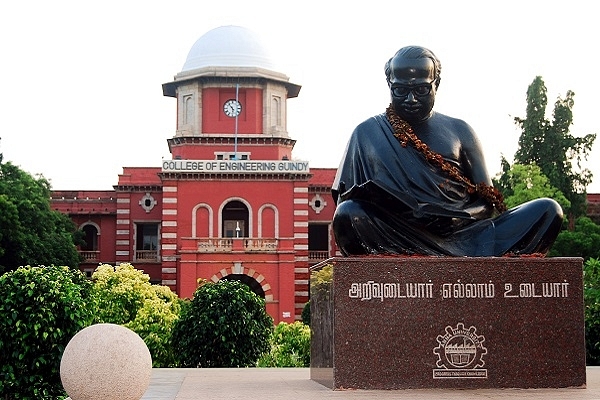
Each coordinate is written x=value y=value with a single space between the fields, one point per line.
x=439 y=322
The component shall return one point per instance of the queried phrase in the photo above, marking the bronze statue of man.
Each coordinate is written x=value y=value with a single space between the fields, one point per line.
x=413 y=181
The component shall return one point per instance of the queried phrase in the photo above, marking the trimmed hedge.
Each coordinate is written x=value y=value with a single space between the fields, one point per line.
x=224 y=325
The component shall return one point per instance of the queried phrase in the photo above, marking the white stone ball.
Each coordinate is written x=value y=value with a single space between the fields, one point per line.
x=106 y=362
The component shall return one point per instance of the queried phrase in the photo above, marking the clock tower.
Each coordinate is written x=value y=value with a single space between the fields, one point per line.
x=229 y=89
x=234 y=200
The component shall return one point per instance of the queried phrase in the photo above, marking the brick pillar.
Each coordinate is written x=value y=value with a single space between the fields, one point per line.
x=169 y=235
x=124 y=230
x=301 y=274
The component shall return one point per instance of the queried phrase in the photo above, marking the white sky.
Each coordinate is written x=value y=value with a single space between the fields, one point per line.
x=81 y=93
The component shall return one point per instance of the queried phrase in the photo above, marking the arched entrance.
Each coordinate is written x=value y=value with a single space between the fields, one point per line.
x=247 y=280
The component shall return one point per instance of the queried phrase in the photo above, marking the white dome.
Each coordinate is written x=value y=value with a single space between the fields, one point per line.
x=228 y=46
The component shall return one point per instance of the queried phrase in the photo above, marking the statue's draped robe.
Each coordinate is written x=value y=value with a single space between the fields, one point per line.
x=391 y=200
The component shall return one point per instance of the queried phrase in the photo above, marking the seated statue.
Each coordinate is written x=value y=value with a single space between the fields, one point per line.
x=413 y=181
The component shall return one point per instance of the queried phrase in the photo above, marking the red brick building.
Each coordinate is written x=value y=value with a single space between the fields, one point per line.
x=593 y=207
x=232 y=202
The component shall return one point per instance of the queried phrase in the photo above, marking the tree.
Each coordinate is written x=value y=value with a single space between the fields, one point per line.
x=522 y=183
x=126 y=297
x=31 y=233
x=225 y=325
x=41 y=309
x=582 y=241
x=550 y=146
x=591 y=296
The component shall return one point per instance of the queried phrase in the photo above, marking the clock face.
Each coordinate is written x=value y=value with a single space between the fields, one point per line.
x=232 y=108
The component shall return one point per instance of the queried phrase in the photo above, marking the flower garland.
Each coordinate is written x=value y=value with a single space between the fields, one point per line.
x=405 y=135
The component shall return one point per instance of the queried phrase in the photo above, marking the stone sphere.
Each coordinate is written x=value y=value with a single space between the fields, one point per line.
x=106 y=361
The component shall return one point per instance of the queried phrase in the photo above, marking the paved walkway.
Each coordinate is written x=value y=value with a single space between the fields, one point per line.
x=295 y=383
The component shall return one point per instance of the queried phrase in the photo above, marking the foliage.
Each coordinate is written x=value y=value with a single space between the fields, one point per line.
x=591 y=294
x=41 y=309
x=290 y=346
x=521 y=183
x=550 y=145
x=321 y=281
x=582 y=241
x=224 y=325
x=31 y=233
x=126 y=297
x=323 y=276
x=121 y=292
x=306 y=314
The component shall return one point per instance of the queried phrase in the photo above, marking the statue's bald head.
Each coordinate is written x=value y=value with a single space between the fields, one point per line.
x=414 y=52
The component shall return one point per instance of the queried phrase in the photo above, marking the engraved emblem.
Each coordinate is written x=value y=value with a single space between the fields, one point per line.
x=460 y=354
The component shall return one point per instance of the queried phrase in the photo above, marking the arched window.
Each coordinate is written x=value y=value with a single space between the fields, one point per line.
x=235 y=219
x=91 y=238
x=275 y=111
x=188 y=109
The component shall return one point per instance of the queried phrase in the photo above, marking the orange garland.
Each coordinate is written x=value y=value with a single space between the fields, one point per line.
x=405 y=135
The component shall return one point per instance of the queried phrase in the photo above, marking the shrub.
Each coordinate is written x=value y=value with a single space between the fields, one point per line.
x=322 y=278
x=224 y=325
x=290 y=346
x=121 y=292
x=583 y=241
x=126 y=297
x=41 y=309
x=591 y=294
x=306 y=313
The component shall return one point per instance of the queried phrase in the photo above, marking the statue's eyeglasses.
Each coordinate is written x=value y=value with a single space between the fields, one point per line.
x=418 y=90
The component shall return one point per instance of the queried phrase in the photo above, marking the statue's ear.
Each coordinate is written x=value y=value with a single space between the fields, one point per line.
x=437 y=82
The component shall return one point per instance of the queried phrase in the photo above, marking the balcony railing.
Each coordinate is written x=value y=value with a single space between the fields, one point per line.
x=146 y=255
x=261 y=245
x=226 y=245
x=315 y=256
x=89 y=255
x=215 y=245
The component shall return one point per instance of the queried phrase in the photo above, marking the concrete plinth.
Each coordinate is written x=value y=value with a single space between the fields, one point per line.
x=439 y=322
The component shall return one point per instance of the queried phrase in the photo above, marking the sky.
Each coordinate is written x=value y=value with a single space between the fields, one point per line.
x=81 y=81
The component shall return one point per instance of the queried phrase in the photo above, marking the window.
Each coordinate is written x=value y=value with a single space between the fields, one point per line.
x=318 y=242
x=188 y=106
x=234 y=228
x=232 y=156
x=275 y=111
x=91 y=238
x=89 y=250
x=146 y=241
x=147 y=237
x=235 y=219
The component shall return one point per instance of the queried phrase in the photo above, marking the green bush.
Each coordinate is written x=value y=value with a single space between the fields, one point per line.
x=126 y=297
x=290 y=346
x=306 y=313
x=41 y=309
x=224 y=325
x=322 y=278
x=583 y=241
x=591 y=294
